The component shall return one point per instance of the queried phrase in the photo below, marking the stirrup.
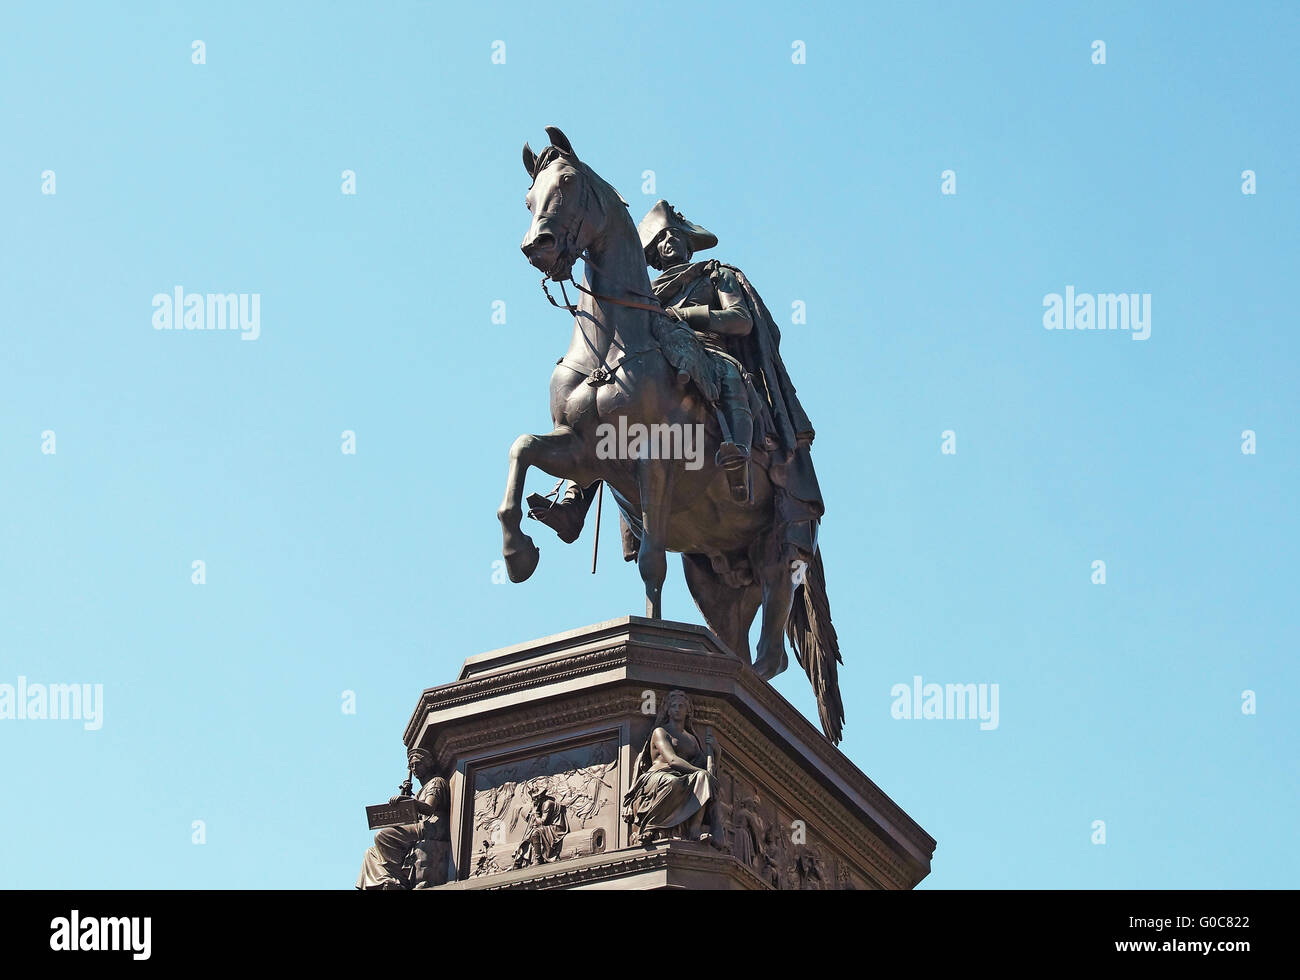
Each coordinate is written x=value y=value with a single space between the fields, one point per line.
x=734 y=460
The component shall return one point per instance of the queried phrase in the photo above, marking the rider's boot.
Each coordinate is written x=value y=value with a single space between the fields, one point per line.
x=566 y=517
x=733 y=456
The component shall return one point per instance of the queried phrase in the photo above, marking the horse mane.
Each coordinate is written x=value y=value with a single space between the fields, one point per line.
x=547 y=157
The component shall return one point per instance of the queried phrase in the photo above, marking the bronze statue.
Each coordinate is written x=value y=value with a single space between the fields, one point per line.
x=413 y=855
x=632 y=363
x=674 y=790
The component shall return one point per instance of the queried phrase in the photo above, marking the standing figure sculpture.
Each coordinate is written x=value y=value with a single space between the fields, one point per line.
x=747 y=834
x=413 y=855
x=747 y=527
x=674 y=790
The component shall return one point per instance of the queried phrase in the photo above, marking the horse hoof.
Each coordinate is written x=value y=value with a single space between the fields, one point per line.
x=769 y=665
x=522 y=562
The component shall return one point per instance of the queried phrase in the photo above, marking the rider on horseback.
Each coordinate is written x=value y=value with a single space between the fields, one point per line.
x=738 y=339
x=710 y=302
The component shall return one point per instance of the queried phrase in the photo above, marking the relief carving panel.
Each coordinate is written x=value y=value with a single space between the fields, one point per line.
x=547 y=807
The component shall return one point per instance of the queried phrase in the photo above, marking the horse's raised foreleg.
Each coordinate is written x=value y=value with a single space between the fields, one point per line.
x=557 y=454
x=654 y=481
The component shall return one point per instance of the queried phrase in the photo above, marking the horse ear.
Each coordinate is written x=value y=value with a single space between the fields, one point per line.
x=560 y=141
x=530 y=161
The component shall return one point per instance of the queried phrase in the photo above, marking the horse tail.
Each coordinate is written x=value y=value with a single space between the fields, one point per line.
x=817 y=647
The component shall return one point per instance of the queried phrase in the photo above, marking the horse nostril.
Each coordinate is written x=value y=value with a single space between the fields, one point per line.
x=542 y=240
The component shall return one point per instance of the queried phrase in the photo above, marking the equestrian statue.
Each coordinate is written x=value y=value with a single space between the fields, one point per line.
x=694 y=350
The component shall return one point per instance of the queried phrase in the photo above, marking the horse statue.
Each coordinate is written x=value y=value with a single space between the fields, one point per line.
x=616 y=371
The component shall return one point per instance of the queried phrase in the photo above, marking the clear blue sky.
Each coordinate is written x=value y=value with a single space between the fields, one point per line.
x=372 y=573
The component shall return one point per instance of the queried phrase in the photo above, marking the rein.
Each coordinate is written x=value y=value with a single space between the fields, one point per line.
x=604 y=374
x=566 y=305
x=649 y=307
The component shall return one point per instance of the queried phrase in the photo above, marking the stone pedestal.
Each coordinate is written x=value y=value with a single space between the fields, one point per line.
x=570 y=713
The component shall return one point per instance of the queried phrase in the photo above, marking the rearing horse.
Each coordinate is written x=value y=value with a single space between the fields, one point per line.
x=614 y=370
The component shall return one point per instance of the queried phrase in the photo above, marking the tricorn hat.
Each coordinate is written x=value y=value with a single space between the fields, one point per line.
x=663 y=216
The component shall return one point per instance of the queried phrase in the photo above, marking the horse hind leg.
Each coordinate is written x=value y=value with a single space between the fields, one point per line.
x=654 y=479
x=728 y=611
x=555 y=453
x=777 y=579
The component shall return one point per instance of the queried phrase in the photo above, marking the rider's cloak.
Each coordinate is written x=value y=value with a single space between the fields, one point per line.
x=781 y=425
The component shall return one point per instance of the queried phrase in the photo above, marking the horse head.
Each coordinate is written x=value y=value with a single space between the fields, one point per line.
x=568 y=203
